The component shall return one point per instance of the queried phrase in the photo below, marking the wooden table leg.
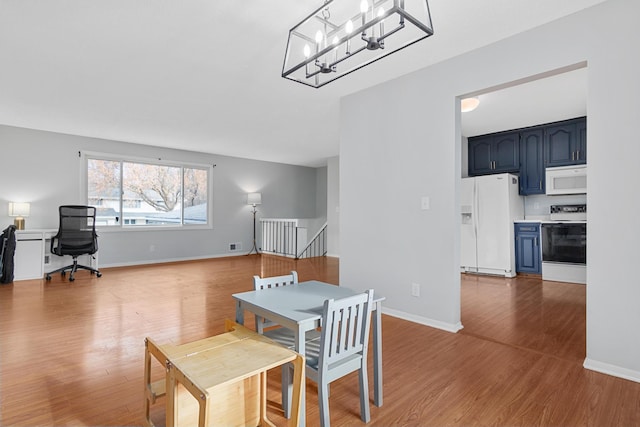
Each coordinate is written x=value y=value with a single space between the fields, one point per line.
x=298 y=384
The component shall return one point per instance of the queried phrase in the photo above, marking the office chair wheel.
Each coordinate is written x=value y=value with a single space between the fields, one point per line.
x=63 y=274
x=71 y=278
x=99 y=274
x=48 y=277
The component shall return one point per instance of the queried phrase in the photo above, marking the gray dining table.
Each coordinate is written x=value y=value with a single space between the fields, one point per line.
x=298 y=307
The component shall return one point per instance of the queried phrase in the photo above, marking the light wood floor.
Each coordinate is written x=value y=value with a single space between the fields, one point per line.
x=72 y=354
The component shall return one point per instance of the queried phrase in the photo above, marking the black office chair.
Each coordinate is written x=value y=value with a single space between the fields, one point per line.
x=76 y=236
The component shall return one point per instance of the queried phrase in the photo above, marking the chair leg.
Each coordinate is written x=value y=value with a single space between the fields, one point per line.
x=365 y=414
x=287 y=389
x=323 y=402
x=73 y=268
x=91 y=269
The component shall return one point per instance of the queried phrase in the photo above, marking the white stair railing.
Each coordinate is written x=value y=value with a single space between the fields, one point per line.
x=280 y=236
x=317 y=246
x=286 y=237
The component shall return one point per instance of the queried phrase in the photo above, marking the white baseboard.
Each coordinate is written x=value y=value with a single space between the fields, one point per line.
x=163 y=261
x=449 y=327
x=616 y=371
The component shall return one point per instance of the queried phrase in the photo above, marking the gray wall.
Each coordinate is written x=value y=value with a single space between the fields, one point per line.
x=415 y=151
x=44 y=168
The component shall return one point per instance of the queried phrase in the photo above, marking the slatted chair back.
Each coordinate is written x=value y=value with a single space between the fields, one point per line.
x=266 y=283
x=343 y=349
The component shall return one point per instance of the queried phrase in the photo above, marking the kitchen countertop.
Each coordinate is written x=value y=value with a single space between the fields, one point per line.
x=534 y=219
x=548 y=221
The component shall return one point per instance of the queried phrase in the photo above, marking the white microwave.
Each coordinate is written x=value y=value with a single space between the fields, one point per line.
x=566 y=180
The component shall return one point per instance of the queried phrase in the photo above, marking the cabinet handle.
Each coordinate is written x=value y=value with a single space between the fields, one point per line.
x=540 y=184
x=577 y=154
x=573 y=155
x=535 y=241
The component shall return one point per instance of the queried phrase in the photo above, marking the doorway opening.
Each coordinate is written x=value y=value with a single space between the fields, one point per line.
x=525 y=311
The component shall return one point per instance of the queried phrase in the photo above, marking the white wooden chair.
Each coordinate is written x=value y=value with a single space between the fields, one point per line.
x=282 y=336
x=342 y=350
x=260 y=283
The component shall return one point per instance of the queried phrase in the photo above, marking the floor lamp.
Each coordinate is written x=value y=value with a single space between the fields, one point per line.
x=254 y=199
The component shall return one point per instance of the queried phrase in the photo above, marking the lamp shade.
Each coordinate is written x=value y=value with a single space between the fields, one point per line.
x=19 y=209
x=254 y=199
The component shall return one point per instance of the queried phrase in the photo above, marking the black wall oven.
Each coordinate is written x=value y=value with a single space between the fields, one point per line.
x=564 y=242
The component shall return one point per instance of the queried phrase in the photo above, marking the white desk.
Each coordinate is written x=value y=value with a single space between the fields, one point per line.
x=33 y=257
x=299 y=308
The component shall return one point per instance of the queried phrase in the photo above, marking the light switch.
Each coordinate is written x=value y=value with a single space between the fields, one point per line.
x=425 y=203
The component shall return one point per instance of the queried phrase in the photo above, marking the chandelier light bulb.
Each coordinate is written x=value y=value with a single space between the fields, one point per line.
x=335 y=41
x=306 y=51
x=348 y=28
x=319 y=37
x=381 y=12
x=364 y=6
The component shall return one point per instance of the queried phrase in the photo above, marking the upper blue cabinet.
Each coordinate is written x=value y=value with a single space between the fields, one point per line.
x=495 y=153
x=566 y=143
x=532 y=176
x=529 y=151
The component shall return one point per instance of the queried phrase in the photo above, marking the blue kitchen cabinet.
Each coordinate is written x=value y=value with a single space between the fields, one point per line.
x=495 y=153
x=480 y=160
x=582 y=141
x=528 y=256
x=532 y=175
x=566 y=143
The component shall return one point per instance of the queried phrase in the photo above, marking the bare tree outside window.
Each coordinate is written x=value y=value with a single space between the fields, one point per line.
x=149 y=194
x=196 y=190
x=157 y=186
x=104 y=190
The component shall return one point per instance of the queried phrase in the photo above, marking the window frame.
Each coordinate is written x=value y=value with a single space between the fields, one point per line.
x=121 y=226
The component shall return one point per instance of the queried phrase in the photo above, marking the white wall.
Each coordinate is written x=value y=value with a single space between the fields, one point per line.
x=44 y=168
x=415 y=151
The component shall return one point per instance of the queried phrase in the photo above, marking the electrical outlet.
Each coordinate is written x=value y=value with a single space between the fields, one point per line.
x=152 y=248
x=425 y=203
x=415 y=289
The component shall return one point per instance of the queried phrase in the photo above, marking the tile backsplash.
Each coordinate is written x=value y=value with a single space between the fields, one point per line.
x=537 y=206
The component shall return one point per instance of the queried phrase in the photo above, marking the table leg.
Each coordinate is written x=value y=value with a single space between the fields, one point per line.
x=239 y=313
x=172 y=397
x=286 y=399
x=298 y=386
x=377 y=355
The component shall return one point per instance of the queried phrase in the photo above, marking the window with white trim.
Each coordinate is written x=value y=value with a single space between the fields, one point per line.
x=139 y=194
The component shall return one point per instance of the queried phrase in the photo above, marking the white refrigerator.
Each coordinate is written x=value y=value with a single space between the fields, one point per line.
x=489 y=205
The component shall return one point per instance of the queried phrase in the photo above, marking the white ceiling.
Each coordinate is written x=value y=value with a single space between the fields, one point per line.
x=205 y=75
x=559 y=97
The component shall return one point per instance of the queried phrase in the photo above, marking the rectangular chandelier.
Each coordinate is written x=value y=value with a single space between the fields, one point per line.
x=342 y=36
